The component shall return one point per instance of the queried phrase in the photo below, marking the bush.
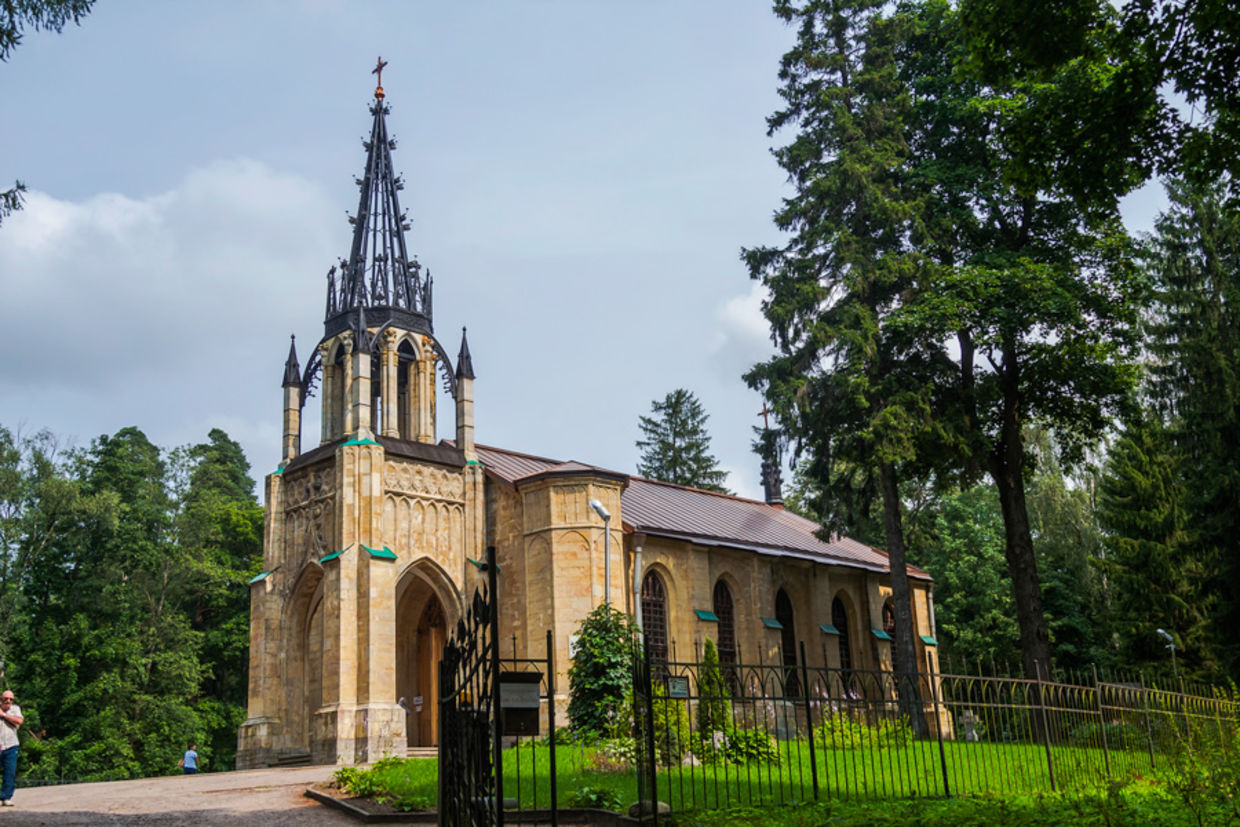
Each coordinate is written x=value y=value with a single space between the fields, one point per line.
x=714 y=711
x=597 y=798
x=615 y=755
x=839 y=731
x=601 y=675
x=671 y=726
x=740 y=746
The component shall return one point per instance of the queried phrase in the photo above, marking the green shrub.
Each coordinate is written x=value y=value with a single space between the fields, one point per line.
x=741 y=746
x=615 y=755
x=601 y=674
x=714 y=710
x=598 y=798
x=671 y=726
x=843 y=732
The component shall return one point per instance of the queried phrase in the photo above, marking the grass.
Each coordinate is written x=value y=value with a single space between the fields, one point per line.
x=913 y=770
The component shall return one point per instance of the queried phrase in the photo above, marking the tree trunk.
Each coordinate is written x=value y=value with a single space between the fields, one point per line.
x=1007 y=469
x=904 y=647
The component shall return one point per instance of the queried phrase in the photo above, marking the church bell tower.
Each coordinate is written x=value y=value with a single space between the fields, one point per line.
x=368 y=533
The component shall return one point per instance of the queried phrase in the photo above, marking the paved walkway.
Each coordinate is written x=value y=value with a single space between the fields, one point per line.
x=270 y=798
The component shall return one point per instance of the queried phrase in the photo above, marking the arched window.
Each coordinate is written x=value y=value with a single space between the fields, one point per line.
x=839 y=619
x=724 y=610
x=788 y=643
x=654 y=616
x=889 y=619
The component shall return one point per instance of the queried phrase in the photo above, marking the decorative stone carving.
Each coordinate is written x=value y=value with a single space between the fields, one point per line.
x=423 y=481
x=309 y=514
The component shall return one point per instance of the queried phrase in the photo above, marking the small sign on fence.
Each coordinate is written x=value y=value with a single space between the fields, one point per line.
x=678 y=686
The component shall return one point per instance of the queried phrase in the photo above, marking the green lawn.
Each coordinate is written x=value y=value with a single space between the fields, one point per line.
x=914 y=770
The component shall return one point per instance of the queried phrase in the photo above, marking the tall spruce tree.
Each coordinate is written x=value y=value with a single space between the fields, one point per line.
x=676 y=447
x=849 y=389
x=1194 y=259
x=1156 y=580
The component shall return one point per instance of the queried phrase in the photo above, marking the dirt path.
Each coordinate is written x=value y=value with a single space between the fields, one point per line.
x=271 y=798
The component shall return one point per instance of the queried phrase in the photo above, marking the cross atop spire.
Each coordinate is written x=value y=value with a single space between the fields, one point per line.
x=379 y=274
x=378 y=70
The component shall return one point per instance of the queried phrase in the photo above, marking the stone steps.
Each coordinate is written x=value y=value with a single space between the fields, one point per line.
x=291 y=758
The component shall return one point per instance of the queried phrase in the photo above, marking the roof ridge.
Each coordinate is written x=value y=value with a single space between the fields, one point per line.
x=699 y=490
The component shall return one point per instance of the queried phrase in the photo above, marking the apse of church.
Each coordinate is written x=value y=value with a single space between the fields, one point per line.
x=370 y=533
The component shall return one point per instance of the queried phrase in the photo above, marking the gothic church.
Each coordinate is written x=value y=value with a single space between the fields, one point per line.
x=369 y=534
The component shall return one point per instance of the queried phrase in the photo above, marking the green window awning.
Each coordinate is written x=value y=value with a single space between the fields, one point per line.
x=880 y=634
x=772 y=623
x=929 y=641
x=384 y=553
x=359 y=442
x=705 y=615
x=828 y=629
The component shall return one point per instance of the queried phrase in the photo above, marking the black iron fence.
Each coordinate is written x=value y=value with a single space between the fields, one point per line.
x=528 y=732
x=780 y=735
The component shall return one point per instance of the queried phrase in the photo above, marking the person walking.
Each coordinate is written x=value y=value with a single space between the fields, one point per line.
x=10 y=720
x=189 y=762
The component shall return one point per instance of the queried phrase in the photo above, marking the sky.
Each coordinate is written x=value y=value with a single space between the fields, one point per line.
x=581 y=178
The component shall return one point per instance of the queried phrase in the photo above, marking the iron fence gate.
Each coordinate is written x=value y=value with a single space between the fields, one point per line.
x=471 y=786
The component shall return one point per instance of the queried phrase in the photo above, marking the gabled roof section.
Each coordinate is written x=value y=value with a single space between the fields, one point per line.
x=379 y=274
x=704 y=517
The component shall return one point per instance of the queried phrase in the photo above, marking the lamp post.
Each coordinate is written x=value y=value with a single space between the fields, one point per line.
x=602 y=512
x=1170 y=645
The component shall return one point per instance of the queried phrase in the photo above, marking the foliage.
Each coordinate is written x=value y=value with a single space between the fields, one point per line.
x=615 y=754
x=598 y=798
x=742 y=746
x=1155 y=576
x=973 y=604
x=123 y=601
x=601 y=673
x=852 y=392
x=714 y=709
x=675 y=445
x=671 y=725
x=397 y=782
x=1194 y=261
x=842 y=731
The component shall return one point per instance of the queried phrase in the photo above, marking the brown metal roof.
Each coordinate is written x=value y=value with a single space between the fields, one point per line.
x=704 y=517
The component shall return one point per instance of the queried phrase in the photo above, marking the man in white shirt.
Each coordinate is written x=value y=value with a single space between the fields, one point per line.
x=10 y=720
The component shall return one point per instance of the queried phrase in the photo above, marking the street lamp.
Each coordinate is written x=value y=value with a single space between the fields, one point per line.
x=603 y=512
x=1170 y=645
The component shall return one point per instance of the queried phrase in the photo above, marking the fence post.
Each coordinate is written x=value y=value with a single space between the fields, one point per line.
x=1102 y=722
x=653 y=763
x=939 y=710
x=1149 y=731
x=497 y=709
x=1046 y=724
x=809 y=720
x=555 y=801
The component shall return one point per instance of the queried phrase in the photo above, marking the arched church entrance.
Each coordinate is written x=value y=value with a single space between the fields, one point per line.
x=421 y=631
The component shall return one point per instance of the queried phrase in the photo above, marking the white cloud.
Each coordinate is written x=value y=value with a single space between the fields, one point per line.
x=170 y=312
x=743 y=337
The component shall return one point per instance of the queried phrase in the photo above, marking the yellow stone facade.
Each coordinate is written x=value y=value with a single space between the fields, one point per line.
x=369 y=536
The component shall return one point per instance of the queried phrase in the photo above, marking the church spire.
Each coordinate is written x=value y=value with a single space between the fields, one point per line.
x=292 y=370
x=464 y=362
x=379 y=274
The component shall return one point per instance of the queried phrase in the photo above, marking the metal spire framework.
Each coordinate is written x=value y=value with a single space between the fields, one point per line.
x=379 y=274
